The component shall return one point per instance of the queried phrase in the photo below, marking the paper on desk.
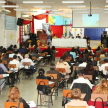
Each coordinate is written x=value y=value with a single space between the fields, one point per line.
x=97 y=78
x=5 y=75
x=91 y=106
x=50 y=82
x=48 y=55
x=31 y=104
x=40 y=57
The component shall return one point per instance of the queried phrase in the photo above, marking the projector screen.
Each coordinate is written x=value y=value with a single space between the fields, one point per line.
x=92 y=21
x=99 y=19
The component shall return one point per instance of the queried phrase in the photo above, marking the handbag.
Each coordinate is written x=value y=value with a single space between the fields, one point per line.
x=46 y=89
x=15 y=106
x=66 y=99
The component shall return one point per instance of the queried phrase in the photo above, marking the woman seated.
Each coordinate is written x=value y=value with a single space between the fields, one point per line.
x=76 y=99
x=102 y=88
x=89 y=70
x=40 y=88
x=102 y=54
x=14 y=96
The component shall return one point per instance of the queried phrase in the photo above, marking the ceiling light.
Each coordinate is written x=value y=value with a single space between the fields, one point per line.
x=29 y=11
x=76 y=6
x=82 y=12
x=72 y=1
x=106 y=9
x=2 y=1
x=21 y=9
x=32 y=1
x=79 y=9
x=106 y=1
x=106 y=5
x=42 y=6
x=49 y=9
x=10 y=6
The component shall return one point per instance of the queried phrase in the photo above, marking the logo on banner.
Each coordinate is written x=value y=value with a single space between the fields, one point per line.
x=11 y=36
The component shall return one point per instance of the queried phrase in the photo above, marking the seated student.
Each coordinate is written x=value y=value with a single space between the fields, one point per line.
x=78 y=36
x=69 y=55
x=6 y=58
x=102 y=54
x=81 y=80
x=53 y=50
x=41 y=75
x=34 y=53
x=18 y=54
x=76 y=99
x=14 y=96
x=53 y=71
x=101 y=88
x=73 y=52
x=15 y=48
x=89 y=70
x=26 y=59
x=84 y=63
x=78 y=50
x=62 y=64
x=102 y=68
x=21 y=49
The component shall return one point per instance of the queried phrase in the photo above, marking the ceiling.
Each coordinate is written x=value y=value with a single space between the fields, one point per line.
x=58 y=3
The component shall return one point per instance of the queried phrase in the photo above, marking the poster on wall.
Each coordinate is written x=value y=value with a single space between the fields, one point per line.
x=59 y=20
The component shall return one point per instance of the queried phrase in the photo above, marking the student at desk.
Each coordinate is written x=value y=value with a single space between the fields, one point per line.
x=14 y=96
x=41 y=75
x=76 y=102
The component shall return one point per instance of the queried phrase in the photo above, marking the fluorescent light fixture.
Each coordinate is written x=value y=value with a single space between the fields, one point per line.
x=21 y=9
x=106 y=12
x=29 y=11
x=32 y=1
x=2 y=1
x=79 y=9
x=106 y=5
x=72 y=1
x=49 y=9
x=106 y=1
x=10 y=6
x=106 y=9
x=82 y=12
x=76 y=6
x=42 y=6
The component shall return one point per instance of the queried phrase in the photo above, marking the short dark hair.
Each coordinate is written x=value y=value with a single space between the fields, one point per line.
x=106 y=60
x=0 y=61
x=14 y=57
x=52 y=66
x=84 y=59
x=68 y=51
x=41 y=71
x=62 y=57
x=80 y=73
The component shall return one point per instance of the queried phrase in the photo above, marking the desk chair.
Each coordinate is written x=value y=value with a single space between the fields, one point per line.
x=27 y=71
x=53 y=78
x=91 y=57
x=98 y=53
x=10 y=58
x=9 y=52
x=102 y=62
x=62 y=71
x=99 y=98
x=44 y=82
x=97 y=59
x=12 y=105
x=12 y=75
x=89 y=77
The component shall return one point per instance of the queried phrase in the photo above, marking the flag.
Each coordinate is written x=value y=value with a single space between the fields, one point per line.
x=65 y=29
x=70 y=24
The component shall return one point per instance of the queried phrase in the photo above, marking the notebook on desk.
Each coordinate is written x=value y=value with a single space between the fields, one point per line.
x=5 y=75
x=11 y=55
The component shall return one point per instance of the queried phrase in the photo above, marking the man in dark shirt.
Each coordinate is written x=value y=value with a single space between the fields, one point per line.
x=78 y=36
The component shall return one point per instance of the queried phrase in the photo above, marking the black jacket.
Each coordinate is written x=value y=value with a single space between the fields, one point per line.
x=84 y=89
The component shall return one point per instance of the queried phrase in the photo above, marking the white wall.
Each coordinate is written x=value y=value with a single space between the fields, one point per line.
x=74 y=31
x=2 y=27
